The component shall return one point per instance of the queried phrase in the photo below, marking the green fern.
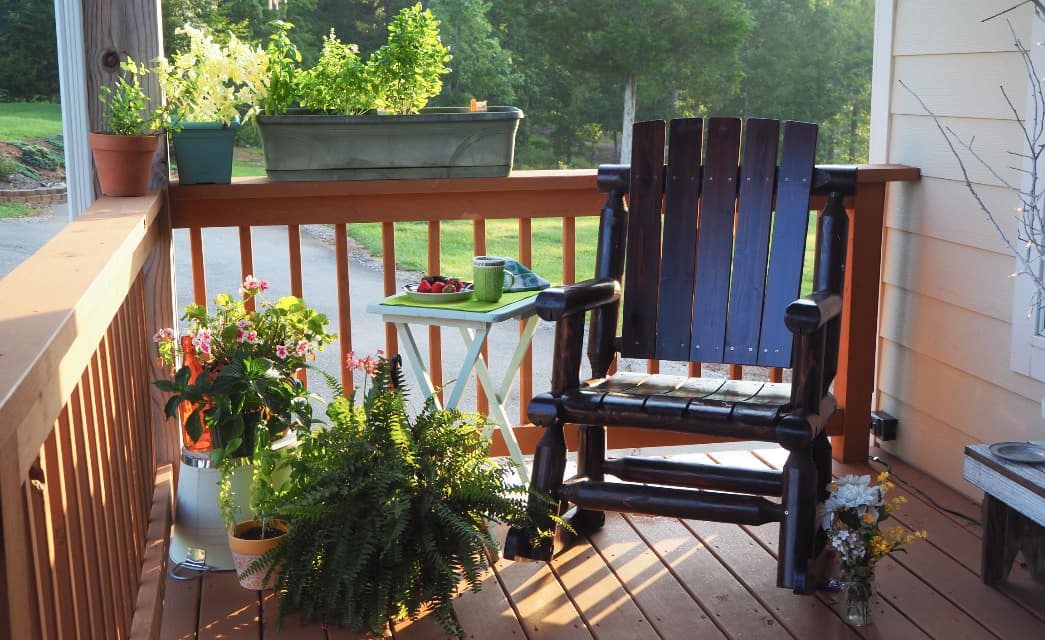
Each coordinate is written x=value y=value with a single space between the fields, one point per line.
x=388 y=513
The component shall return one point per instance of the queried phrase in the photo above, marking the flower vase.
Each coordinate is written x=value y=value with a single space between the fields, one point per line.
x=858 y=601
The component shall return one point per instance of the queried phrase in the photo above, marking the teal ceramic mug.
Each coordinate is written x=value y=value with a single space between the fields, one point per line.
x=489 y=279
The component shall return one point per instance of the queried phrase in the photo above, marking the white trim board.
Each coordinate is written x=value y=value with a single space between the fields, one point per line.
x=72 y=82
x=882 y=80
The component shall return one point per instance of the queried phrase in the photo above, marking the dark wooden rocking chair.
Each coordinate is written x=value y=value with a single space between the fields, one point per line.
x=718 y=283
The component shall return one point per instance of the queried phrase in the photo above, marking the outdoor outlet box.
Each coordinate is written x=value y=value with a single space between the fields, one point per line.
x=883 y=425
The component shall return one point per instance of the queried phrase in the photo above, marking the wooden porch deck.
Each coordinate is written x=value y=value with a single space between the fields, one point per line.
x=642 y=577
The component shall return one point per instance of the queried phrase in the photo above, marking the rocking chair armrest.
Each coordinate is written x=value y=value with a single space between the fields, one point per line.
x=807 y=315
x=555 y=303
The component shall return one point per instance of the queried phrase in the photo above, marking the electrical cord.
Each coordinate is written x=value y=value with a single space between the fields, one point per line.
x=933 y=502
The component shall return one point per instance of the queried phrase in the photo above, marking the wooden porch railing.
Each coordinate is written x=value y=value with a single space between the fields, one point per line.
x=84 y=506
x=525 y=196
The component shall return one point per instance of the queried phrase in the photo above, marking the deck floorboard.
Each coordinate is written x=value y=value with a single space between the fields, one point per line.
x=662 y=578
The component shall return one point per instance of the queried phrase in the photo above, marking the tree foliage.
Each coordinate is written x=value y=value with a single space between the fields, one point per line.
x=28 y=50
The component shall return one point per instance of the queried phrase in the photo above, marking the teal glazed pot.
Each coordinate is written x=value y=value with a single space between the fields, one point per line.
x=203 y=152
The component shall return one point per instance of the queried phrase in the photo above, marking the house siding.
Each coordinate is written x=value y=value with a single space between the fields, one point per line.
x=946 y=310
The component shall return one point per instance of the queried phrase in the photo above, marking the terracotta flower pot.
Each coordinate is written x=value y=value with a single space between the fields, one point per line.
x=124 y=163
x=245 y=551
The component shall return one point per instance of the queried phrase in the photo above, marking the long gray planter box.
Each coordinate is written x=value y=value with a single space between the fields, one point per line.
x=436 y=143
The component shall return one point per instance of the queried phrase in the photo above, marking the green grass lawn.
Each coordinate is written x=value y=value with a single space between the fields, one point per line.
x=29 y=120
x=16 y=210
x=502 y=240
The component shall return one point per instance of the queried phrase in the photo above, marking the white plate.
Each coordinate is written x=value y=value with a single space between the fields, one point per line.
x=437 y=298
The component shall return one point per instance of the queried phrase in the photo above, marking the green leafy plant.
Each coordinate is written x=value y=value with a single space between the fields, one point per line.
x=387 y=512
x=280 y=91
x=408 y=69
x=338 y=83
x=210 y=81
x=127 y=106
x=8 y=167
x=39 y=157
x=239 y=371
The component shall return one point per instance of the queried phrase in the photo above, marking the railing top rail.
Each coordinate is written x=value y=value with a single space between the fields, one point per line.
x=523 y=194
x=842 y=178
x=57 y=305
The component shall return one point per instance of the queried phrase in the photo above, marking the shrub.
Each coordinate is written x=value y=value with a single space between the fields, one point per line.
x=39 y=157
x=8 y=167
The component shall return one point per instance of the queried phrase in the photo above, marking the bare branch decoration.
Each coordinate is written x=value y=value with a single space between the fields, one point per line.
x=1028 y=246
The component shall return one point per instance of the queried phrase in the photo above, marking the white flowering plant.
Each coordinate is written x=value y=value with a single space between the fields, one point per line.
x=211 y=81
x=239 y=367
x=852 y=517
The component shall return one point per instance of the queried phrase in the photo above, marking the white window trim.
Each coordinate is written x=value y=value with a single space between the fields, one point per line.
x=1028 y=347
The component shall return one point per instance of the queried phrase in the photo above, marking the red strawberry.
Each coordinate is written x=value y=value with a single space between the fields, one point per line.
x=424 y=287
x=438 y=287
x=450 y=288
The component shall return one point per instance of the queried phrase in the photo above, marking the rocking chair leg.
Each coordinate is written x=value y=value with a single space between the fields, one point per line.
x=798 y=530
x=549 y=465
x=822 y=459
x=590 y=455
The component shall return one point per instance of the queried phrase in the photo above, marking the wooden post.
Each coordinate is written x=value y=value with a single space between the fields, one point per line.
x=858 y=345
x=113 y=30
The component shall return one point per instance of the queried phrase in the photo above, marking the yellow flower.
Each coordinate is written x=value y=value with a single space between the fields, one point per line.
x=869 y=517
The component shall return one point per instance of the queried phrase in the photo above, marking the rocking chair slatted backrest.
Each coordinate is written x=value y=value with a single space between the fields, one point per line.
x=713 y=303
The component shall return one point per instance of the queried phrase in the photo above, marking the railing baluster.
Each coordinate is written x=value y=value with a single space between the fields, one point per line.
x=83 y=598
x=36 y=508
x=344 y=317
x=569 y=250
x=199 y=278
x=127 y=482
x=526 y=367
x=388 y=264
x=246 y=259
x=18 y=567
x=482 y=404
x=652 y=366
x=97 y=574
x=112 y=503
x=106 y=501
x=294 y=251
x=67 y=609
x=435 y=333
x=736 y=372
x=693 y=369
x=776 y=374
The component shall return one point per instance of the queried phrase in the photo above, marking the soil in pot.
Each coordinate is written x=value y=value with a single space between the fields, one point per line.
x=247 y=545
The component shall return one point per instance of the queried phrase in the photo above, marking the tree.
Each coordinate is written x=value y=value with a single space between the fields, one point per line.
x=828 y=83
x=481 y=68
x=28 y=50
x=690 y=44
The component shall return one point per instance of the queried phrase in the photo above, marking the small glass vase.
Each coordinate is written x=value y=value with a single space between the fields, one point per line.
x=858 y=601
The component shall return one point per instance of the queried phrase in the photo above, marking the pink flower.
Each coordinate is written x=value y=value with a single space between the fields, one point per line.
x=243 y=324
x=282 y=352
x=302 y=348
x=204 y=334
x=252 y=337
x=163 y=335
x=204 y=348
x=350 y=360
x=369 y=365
x=252 y=286
x=241 y=335
x=264 y=284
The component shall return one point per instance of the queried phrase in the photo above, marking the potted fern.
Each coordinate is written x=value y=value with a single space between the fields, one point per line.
x=388 y=512
x=124 y=151
x=206 y=86
x=346 y=119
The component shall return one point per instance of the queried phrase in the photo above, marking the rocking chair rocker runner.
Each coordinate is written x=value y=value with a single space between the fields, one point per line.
x=718 y=283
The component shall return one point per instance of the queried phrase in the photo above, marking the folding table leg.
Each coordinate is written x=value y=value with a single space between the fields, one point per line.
x=470 y=358
x=417 y=362
x=497 y=408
